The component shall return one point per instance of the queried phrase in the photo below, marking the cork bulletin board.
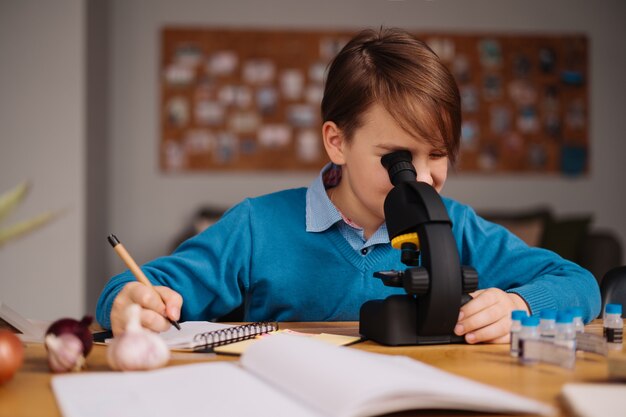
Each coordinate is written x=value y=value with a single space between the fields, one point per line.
x=249 y=100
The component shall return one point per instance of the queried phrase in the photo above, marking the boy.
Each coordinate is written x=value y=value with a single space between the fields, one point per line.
x=309 y=254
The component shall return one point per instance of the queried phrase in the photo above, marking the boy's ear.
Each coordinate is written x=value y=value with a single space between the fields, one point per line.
x=334 y=142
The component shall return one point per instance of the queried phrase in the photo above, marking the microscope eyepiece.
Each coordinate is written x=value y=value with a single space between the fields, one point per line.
x=399 y=166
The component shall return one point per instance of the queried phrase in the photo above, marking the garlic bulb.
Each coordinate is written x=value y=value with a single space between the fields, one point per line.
x=137 y=348
x=65 y=352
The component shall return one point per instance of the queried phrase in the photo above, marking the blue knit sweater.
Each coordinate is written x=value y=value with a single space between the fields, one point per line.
x=259 y=253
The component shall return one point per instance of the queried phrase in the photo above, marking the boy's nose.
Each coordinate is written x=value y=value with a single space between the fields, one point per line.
x=423 y=175
x=422 y=170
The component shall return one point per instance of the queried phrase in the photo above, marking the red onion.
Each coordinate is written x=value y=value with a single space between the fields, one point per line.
x=79 y=329
x=68 y=343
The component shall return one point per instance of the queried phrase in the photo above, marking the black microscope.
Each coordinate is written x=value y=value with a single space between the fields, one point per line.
x=436 y=284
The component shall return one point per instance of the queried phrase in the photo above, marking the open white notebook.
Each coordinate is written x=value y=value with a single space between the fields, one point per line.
x=287 y=376
x=595 y=400
x=27 y=330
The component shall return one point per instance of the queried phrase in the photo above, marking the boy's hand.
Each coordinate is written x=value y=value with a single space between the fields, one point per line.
x=153 y=309
x=487 y=317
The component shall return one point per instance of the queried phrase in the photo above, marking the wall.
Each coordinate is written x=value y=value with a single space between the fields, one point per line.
x=42 y=139
x=148 y=208
x=84 y=128
x=96 y=157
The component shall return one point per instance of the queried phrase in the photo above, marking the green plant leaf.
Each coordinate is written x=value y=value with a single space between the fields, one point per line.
x=24 y=227
x=12 y=198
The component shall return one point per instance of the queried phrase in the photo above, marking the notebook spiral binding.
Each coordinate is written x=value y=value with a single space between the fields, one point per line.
x=234 y=334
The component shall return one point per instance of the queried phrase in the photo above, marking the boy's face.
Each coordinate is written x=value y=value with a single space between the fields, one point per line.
x=365 y=182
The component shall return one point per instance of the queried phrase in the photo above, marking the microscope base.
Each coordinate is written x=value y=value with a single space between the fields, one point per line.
x=393 y=322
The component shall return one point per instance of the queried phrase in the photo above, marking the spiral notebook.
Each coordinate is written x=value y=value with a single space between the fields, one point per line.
x=204 y=336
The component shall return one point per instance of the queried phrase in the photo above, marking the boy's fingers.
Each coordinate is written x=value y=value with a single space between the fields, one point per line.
x=173 y=301
x=494 y=333
x=502 y=339
x=154 y=321
x=487 y=317
x=153 y=307
x=146 y=297
x=481 y=300
x=488 y=308
x=476 y=321
x=518 y=302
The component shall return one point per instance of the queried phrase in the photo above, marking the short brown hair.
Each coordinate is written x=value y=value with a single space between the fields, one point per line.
x=391 y=67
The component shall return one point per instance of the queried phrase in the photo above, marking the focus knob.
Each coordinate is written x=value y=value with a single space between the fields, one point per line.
x=470 y=279
x=416 y=281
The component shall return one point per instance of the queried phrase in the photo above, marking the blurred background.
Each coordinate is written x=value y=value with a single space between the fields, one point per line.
x=80 y=119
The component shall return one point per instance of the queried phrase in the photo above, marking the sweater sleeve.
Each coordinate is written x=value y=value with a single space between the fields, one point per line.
x=541 y=277
x=210 y=270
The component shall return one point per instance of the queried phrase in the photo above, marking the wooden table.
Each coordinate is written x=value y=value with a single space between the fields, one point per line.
x=29 y=394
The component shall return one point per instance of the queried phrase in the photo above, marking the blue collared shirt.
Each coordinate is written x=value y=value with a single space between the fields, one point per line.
x=321 y=214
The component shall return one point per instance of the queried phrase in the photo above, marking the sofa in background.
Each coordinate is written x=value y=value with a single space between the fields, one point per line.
x=572 y=237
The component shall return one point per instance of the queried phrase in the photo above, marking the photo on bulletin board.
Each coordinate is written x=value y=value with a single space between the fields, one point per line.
x=249 y=100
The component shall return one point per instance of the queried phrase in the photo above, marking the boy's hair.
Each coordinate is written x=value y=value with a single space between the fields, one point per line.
x=405 y=76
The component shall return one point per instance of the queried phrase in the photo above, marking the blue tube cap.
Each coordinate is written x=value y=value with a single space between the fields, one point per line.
x=564 y=317
x=576 y=311
x=548 y=314
x=531 y=321
x=518 y=314
x=613 y=309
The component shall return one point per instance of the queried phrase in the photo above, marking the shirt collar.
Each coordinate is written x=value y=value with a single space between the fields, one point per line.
x=321 y=213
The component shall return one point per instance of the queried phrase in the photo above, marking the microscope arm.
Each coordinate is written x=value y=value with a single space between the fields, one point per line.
x=417 y=207
x=439 y=308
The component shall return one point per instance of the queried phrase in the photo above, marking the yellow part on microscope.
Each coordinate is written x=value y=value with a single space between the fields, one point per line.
x=397 y=241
